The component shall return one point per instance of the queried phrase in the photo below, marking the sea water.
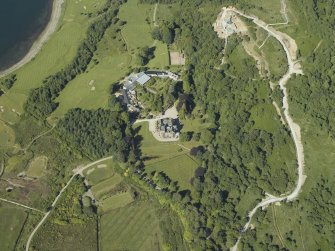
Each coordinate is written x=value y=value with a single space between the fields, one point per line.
x=21 y=22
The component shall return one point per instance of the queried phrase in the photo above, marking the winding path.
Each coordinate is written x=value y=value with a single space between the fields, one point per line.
x=21 y=205
x=290 y=48
x=77 y=171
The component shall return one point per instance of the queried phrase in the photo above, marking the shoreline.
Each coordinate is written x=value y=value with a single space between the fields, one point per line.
x=41 y=39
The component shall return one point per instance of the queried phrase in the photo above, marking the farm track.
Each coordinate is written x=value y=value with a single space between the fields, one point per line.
x=77 y=171
x=21 y=205
x=290 y=49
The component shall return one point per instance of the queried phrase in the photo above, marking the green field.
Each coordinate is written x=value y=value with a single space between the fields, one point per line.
x=167 y=157
x=91 y=89
x=55 y=54
x=133 y=228
x=37 y=166
x=137 y=31
x=107 y=185
x=11 y=224
x=100 y=172
x=180 y=168
x=116 y=201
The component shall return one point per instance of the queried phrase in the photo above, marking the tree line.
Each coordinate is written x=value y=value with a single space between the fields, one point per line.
x=41 y=101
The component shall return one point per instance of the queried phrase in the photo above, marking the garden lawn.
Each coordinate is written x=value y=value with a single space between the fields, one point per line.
x=134 y=227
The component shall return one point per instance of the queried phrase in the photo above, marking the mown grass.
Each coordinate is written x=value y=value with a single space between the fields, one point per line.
x=106 y=186
x=11 y=224
x=137 y=29
x=100 y=172
x=180 y=168
x=117 y=201
x=91 y=90
x=135 y=227
x=55 y=55
x=170 y=158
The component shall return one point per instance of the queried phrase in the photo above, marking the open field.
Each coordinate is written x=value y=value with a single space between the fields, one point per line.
x=135 y=227
x=100 y=172
x=167 y=157
x=137 y=31
x=11 y=224
x=180 y=168
x=56 y=53
x=37 y=166
x=116 y=201
x=106 y=186
x=91 y=89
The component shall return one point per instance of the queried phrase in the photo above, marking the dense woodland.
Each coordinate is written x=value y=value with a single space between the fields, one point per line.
x=98 y=133
x=313 y=93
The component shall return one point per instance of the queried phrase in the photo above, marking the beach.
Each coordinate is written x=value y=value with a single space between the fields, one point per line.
x=41 y=40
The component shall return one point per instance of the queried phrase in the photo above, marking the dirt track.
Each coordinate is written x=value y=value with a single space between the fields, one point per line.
x=290 y=48
x=43 y=38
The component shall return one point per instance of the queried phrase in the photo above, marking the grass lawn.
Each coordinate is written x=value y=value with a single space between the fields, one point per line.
x=154 y=151
x=100 y=172
x=116 y=201
x=168 y=157
x=137 y=31
x=11 y=224
x=107 y=185
x=57 y=53
x=91 y=89
x=180 y=168
x=135 y=227
x=37 y=166
x=162 y=58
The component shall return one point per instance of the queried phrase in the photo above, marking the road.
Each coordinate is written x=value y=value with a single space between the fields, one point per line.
x=44 y=37
x=290 y=48
x=77 y=171
x=37 y=137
